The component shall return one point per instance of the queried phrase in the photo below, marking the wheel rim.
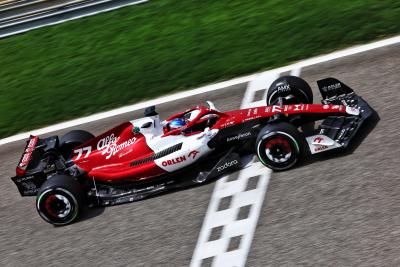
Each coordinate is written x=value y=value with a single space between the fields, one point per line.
x=278 y=149
x=57 y=206
x=289 y=152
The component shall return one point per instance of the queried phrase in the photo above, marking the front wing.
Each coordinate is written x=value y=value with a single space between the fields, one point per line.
x=338 y=131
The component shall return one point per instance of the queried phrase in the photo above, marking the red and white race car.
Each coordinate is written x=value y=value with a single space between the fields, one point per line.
x=148 y=156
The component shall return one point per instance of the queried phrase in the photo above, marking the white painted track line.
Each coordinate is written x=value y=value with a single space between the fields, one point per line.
x=212 y=87
x=126 y=109
x=219 y=251
x=259 y=83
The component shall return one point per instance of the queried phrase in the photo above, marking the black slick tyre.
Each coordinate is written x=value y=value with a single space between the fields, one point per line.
x=71 y=140
x=291 y=89
x=280 y=146
x=59 y=200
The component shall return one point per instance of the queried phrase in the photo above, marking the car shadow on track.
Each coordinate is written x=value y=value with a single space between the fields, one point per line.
x=89 y=213
x=92 y=212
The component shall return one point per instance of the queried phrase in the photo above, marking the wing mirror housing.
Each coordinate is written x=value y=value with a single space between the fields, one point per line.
x=150 y=111
x=146 y=125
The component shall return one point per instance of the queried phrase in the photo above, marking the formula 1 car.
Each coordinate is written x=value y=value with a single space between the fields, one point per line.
x=147 y=156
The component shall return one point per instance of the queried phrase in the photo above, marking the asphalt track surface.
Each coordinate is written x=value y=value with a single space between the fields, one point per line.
x=342 y=211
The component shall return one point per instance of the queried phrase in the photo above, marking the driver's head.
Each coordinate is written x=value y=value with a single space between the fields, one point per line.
x=177 y=123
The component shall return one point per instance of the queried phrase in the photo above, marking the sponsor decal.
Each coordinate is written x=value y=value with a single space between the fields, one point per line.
x=113 y=148
x=320 y=148
x=332 y=86
x=238 y=137
x=252 y=110
x=173 y=161
x=276 y=109
x=29 y=186
x=31 y=144
x=298 y=107
x=325 y=106
x=341 y=133
x=26 y=179
x=25 y=160
x=125 y=153
x=283 y=88
x=352 y=110
x=104 y=142
x=227 y=165
x=193 y=154
x=109 y=147
x=227 y=124
x=318 y=139
x=252 y=118
x=28 y=152
x=136 y=129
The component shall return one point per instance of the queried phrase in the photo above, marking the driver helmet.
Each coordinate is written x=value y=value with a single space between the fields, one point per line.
x=177 y=123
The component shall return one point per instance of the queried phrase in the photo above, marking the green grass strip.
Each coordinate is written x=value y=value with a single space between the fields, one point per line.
x=140 y=52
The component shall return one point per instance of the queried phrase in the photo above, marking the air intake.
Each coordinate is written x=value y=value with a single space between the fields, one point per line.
x=157 y=155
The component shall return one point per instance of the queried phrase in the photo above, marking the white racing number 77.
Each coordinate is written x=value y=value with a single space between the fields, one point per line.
x=80 y=151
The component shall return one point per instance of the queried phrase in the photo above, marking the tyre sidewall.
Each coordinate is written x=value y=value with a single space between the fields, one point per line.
x=67 y=187
x=274 y=165
x=297 y=87
x=290 y=134
x=71 y=140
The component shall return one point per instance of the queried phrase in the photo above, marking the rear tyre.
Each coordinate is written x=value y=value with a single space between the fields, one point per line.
x=280 y=146
x=59 y=200
x=291 y=89
x=71 y=140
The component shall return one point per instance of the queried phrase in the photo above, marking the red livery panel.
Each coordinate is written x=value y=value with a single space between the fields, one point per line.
x=26 y=156
x=108 y=156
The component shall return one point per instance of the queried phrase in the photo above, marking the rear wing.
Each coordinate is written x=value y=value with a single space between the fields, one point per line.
x=30 y=171
x=27 y=155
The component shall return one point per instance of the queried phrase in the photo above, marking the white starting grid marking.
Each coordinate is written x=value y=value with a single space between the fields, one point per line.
x=233 y=244
x=236 y=234
x=261 y=83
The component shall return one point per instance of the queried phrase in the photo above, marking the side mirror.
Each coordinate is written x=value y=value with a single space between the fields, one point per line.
x=146 y=124
x=150 y=111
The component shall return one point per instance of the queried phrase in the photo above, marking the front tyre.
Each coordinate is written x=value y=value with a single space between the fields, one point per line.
x=59 y=200
x=279 y=146
x=290 y=90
